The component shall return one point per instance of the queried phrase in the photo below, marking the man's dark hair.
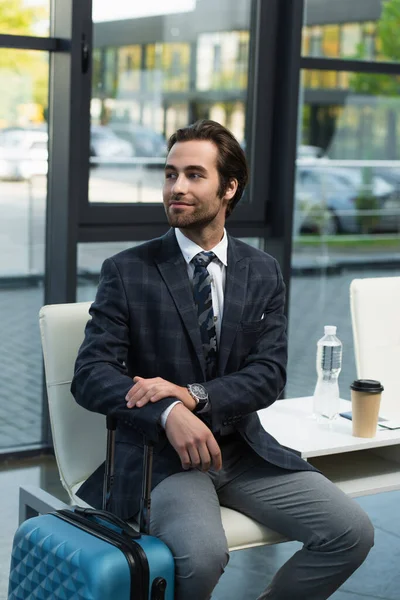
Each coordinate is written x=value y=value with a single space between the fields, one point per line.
x=231 y=160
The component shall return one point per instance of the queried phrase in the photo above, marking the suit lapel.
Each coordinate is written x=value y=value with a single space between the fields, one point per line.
x=173 y=270
x=234 y=300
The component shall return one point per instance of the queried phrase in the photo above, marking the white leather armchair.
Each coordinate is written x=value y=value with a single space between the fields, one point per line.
x=375 y=313
x=79 y=436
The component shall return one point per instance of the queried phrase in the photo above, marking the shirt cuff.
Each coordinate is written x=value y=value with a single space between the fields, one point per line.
x=164 y=415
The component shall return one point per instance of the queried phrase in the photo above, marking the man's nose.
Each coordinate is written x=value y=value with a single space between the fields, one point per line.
x=180 y=185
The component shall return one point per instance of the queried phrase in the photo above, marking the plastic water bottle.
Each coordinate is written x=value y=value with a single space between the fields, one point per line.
x=329 y=365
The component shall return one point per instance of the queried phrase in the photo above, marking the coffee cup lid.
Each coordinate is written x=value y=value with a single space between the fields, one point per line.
x=371 y=386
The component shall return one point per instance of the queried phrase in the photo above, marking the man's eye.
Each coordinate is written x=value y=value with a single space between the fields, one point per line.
x=195 y=175
x=170 y=175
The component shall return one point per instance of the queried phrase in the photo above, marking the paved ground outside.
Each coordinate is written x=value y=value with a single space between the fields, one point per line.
x=315 y=301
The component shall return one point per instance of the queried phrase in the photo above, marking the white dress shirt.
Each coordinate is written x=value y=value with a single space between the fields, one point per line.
x=217 y=270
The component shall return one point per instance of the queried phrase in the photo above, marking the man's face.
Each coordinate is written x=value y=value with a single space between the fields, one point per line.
x=190 y=191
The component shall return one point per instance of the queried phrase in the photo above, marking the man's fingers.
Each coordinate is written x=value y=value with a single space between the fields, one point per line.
x=152 y=395
x=135 y=388
x=130 y=395
x=134 y=395
x=201 y=455
x=135 y=391
x=148 y=390
x=195 y=459
x=140 y=394
x=205 y=458
x=192 y=440
x=215 y=453
x=185 y=458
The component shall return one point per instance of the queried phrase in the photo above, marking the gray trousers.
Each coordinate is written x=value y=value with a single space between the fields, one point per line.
x=303 y=505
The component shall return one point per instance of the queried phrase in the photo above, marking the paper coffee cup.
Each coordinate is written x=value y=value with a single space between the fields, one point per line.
x=365 y=404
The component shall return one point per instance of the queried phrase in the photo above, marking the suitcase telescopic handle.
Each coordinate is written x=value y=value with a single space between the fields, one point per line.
x=110 y=518
x=145 y=502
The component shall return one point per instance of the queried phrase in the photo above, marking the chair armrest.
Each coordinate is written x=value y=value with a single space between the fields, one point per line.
x=34 y=501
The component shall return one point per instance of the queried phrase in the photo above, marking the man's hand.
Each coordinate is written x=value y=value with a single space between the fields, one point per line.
x=193 y=441
x=155 y=389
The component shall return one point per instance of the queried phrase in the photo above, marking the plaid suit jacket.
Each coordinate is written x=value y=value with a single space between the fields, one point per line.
x=144 y=322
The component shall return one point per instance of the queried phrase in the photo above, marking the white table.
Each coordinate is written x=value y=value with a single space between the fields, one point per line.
x=359 y=466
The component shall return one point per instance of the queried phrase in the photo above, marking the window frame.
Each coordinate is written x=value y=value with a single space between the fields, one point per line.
x=94 y=216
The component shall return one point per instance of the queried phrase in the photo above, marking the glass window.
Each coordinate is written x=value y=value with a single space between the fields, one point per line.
x=142 y=92
x=359 y=30
x=351 y=35
x=315 y=44
x=330 y=40
x=129 y=61
x=90 y=258
x=23 y=184
x=371 y=33
x=324 y=79
x=168 y=64
x=305 y=41
x=222 y=60
x=328 y=79
x=347 y=215
x=28 y=17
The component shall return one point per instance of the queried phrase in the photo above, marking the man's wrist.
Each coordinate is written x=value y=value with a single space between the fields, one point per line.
x=164 y=416
x=186 y=398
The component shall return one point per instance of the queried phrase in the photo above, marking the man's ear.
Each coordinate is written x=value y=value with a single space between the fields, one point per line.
x=231 y=189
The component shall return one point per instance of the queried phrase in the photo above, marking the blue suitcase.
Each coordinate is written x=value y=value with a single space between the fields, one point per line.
x=88 y=554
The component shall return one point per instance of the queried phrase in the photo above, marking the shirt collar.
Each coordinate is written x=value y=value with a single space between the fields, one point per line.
x=189 y=249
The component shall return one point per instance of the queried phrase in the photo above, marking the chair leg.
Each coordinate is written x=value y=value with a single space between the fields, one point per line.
x=34 y=501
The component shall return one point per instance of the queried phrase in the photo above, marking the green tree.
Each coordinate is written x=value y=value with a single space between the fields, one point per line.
x=16 y=18
x=387 y=31
x=388 y=86
x=23 y=73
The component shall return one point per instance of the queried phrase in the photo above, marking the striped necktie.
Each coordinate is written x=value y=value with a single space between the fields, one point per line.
x=203 y=301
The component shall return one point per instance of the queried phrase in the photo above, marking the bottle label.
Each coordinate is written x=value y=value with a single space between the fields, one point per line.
x=330 y=361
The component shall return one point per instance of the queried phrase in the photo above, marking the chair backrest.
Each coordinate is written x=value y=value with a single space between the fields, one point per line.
x=79 y=436
x=375 y=313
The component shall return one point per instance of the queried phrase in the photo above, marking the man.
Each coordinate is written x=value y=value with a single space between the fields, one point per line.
x=187 y=341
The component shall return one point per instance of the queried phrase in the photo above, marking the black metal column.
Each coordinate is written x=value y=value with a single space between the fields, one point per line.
x=68 y=144
x=69 y=98
x=280 y=204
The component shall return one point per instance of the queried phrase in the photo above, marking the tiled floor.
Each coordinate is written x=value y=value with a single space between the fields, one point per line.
x=248 y=570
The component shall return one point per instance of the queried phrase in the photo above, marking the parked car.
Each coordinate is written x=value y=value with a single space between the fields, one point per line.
x=104 y=143
x=146 y=141
x=333 y=200
x=23 y=153
x=391 y=175
x=309 y=153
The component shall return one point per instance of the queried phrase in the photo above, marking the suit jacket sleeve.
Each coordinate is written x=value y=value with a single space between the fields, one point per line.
x=101 y=380
x=261 y=379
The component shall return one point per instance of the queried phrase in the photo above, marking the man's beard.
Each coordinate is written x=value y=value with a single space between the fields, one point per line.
x=193 y=221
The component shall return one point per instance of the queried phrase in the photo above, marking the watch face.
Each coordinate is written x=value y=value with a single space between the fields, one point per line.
x=198 y=391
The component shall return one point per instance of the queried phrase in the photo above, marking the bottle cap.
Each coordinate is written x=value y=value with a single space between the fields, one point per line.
x=370 y=386
x=330 y=329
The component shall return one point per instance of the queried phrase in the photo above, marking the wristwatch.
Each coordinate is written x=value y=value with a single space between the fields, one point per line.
x=200 y=395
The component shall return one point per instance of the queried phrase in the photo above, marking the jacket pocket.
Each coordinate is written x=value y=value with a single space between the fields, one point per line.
x=247 y=336
x=251 y=325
